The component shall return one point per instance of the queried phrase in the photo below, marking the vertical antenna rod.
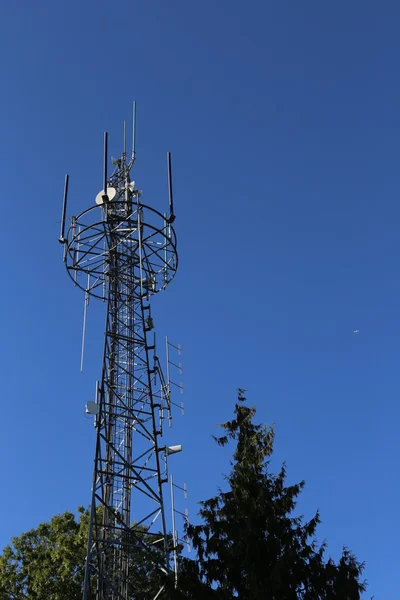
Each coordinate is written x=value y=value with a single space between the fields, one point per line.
x=105 y=165
x=174 y=536
x=86 y=304
x=61 y=239
x=134 y=130
x=171 y=218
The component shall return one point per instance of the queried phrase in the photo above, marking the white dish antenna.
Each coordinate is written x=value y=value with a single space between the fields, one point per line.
x=111 y=193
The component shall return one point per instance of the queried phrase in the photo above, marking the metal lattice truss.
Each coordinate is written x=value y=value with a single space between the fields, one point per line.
x=123 y=252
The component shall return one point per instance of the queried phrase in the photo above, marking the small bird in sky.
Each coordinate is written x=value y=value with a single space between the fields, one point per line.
x=356 y=330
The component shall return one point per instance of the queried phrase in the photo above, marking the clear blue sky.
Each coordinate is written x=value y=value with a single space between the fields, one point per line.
x=283 y=120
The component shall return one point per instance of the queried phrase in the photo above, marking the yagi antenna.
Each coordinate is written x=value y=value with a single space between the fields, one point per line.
x=61 y=239
x=171 y=217
x=105 y=197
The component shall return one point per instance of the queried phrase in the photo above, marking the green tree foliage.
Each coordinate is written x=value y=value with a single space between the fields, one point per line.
x=249 y=544
x=46 y=562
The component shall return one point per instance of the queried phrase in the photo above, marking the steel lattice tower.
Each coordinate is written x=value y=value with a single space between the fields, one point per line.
x=124 y=252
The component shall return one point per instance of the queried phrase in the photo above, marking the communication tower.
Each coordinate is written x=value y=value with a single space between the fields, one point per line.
x=123 y=252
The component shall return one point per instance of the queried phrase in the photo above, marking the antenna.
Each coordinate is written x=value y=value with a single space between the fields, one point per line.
x=165 y=249
x=105 y=197
x=85 y=305
x=177 y=366
x=175 y=535
x=168 y=382
x=75 y=251
x=61 y=239
x=134 y=130
x=124 y=140
x=171 y=217
x=174 y=532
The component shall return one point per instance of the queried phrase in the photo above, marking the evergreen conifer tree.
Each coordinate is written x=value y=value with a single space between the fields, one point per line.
x=249 y=543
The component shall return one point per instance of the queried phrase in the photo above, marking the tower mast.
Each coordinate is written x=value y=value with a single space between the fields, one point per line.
x=123 y=252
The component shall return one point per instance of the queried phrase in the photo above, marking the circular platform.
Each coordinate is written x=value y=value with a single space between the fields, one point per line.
x=137 y=240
